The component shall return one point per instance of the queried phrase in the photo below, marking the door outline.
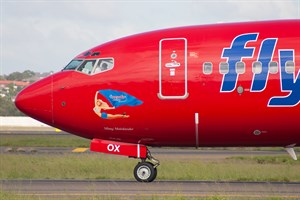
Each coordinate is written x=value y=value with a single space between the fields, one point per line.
x=160 y=95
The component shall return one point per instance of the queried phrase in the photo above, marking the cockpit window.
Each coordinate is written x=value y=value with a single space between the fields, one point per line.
x=91 y=66
x=87 y=66
x=103 y=65
x=73 y=65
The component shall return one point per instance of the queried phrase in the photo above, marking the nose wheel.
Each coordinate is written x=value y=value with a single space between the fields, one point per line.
x=146 y=171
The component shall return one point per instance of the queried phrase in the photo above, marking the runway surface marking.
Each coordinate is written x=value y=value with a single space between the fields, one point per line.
x=165 y=151
x=80 y=150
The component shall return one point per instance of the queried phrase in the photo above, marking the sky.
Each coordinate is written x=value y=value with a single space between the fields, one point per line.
x=44 y=36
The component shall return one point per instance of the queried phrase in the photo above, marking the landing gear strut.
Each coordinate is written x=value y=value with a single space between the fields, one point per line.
x=146 y=171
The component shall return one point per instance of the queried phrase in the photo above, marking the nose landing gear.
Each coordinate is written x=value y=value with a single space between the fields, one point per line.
x=146 y=171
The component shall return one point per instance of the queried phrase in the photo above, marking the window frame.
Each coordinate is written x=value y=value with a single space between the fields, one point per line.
x=85 y=61
x=98 y=60
x=286 y=67
x=260 y=64
x=269 y=67
x=74 y=69
x=220 y=70
x=204 y=68
x=244 y=67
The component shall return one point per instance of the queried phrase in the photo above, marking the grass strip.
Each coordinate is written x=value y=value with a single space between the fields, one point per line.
x=266 y=159
x=43 y=141
x=16 y=196
x=100 y=166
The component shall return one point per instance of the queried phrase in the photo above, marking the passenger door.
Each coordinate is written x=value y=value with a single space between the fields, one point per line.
x=173 y=68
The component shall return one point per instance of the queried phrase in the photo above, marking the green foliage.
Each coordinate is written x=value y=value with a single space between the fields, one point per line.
x=20 y=76
x=8 y=108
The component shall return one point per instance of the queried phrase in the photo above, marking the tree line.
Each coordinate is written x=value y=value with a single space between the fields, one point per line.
x=18 y=76
x=8 y=108
x=8 y=92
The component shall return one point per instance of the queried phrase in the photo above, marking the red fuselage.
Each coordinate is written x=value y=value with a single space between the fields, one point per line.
x=162 y=81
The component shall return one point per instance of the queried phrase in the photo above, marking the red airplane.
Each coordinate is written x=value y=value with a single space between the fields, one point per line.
x=221 y=85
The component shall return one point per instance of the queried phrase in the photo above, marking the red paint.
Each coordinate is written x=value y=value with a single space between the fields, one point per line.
x=119 y=148
x=66 y=99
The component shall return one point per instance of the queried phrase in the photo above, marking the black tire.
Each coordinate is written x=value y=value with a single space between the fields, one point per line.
x=145 y=172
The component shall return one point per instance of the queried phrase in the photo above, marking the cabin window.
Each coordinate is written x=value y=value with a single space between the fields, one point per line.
x=73 y=65
x=207 y=68
x=290 y=67
x=256 y=67
x=103 y=65
x=273 y=67
x=87 y=66
x=240 y=67
x=224 y=67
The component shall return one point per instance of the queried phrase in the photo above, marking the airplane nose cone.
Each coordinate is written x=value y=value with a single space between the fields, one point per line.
x=36 y=100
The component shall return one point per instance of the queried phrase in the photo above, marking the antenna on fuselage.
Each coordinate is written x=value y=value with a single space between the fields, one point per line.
x=291 y=151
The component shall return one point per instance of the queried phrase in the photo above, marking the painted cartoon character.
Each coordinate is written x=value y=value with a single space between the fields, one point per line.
x=101 y=105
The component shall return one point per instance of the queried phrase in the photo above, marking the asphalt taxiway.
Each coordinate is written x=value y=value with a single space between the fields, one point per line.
x=132 y=189
x=178 y=153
